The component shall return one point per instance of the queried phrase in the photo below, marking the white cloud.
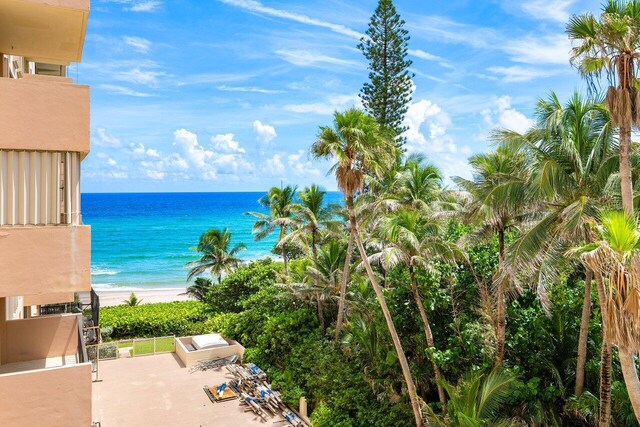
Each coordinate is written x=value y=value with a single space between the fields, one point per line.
x=332 y=104
x=516 y=73
x=418 y=53
x=426 y=113
x=107 y=168
x=555 y=10
x=231 y=164
x=137 y=5
x=551 y=49
x=145 y=6
x=274 y=166
x=503 y=115
x=259 y=8
x=304 y=58
x=140 y=75
x=207 y=163
x=265 y=133
x=138 y=43
x=136 y=149
x=447 y=30
x=226 y=144
x=121 y=90
x=216 y=78
x=537 y=48
x=155 y=175
x=103 y=139
x=248 y=89
x=301 y=166
x=427 y=126
x=196 y=154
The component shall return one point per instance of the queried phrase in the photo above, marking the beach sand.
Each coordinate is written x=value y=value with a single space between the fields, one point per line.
x=111 y=298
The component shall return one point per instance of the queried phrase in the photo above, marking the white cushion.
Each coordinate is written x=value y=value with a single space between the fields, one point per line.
x=201 y=342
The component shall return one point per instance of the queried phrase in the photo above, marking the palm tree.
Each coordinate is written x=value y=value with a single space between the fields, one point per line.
x=610 y=45
x=359 y=146
x=572 y=159
x=419 y=185
x=218 y=256
x=412 y=239
x=319 y=280
x=616 y=258
x=476 y=400
x=499 y=201
x=199 y=289
x=311 y=216
x=280 y=202
x=132 y=301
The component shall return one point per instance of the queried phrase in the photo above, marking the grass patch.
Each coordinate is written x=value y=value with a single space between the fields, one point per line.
x=146 y=347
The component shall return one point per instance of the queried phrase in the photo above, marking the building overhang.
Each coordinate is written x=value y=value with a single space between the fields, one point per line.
x=49 y=31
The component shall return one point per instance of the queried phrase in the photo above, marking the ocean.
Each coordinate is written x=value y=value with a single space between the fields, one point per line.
x=143 y=240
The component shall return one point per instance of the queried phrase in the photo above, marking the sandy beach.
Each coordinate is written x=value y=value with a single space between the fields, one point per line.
x=111 y=298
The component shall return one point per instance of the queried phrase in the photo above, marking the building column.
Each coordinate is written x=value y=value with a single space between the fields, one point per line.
x=3 y=330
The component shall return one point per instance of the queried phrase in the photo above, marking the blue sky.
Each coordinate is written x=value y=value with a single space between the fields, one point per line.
x=227 y=95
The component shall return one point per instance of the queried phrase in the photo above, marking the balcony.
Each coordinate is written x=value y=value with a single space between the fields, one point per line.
x=44 y=378
x=50 y=31
x=46 y=113
x=45 y=260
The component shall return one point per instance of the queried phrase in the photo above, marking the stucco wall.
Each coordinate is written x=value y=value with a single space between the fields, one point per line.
x=44 y=114
x=44 y=260
x=41 y=337
x=58 y=397
x=190 y=358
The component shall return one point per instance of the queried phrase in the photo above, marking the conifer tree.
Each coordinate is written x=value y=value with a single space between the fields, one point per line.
x=387 y=94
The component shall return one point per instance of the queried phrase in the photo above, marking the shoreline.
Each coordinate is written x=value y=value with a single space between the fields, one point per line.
x=110 y=298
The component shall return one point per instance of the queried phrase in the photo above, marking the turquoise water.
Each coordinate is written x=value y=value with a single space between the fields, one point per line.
x=142 y=240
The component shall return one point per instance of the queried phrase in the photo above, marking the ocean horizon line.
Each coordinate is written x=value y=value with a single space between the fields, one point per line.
x=188 y=192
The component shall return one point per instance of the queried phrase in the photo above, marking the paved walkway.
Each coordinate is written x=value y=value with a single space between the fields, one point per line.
x=159 y=391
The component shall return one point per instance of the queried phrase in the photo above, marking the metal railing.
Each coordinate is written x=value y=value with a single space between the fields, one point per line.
x=63 y=308
x=131 y=348
x=83 y=357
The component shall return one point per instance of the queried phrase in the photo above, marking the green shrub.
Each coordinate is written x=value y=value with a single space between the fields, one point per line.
x=240 y=285
x=155 y=320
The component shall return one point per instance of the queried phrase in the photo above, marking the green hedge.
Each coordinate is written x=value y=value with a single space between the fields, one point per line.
x=154 y=320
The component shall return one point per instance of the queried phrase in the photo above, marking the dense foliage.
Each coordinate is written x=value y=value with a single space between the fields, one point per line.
x=154 y=320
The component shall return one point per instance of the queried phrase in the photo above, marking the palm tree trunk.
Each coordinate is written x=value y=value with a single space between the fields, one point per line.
x=402 y=358
x=584 y=334
x=630 y=374
x=284 y=251
x=501 y=309
x=605 y=360
x=321 y=314
x=626 y=184
x=343 y=286
x=627 y=362
x=429 y=336
x=314 y=248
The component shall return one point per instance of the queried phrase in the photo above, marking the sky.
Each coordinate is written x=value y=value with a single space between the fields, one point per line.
x=228 y=95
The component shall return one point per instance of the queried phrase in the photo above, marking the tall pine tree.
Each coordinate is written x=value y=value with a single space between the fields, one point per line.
x=387 y=94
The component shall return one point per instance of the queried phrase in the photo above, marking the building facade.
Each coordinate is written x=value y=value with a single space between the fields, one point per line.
x=45 y=250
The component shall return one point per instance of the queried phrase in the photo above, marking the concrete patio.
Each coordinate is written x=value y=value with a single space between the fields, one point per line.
x=159 y=391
